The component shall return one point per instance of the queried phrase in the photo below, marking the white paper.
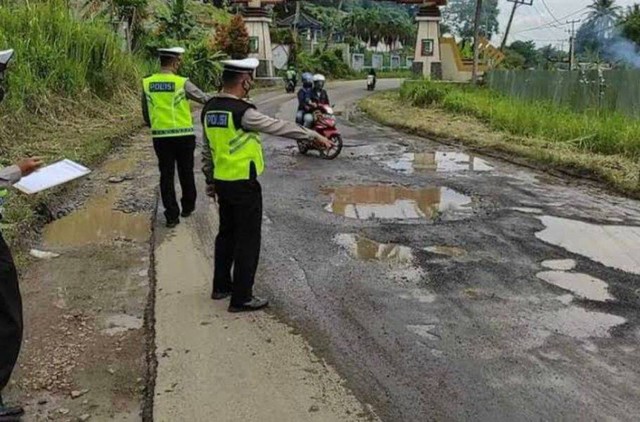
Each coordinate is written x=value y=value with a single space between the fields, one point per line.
x=53 y=175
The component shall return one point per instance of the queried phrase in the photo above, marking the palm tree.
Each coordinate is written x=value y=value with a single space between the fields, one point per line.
x=603 y=16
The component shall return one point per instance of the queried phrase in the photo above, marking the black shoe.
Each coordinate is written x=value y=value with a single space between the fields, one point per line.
x=172 y=223
x=10 y=414
x=254 y=304
x=186 y=214
x=220 y=295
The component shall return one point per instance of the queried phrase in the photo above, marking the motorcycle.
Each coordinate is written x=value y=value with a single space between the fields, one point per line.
x=289 y=85
x=371 y=82
x=325 y=124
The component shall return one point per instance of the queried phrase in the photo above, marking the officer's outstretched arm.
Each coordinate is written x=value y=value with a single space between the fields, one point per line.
x=255 y=121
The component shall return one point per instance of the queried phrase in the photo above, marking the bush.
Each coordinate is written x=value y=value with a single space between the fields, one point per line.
x=328 y=62
x=201 y=63
x=232 y=38
x=60 y=56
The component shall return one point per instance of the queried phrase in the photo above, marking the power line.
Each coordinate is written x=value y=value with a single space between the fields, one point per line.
x=546 y=6
x=552 y=24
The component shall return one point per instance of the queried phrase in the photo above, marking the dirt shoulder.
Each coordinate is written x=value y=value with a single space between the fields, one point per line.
x=84 y=350
x=616 y=171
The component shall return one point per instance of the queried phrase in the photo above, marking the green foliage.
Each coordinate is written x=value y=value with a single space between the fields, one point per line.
x=58 y=55
x=201 y=63
x=528 y=50
x=606 y=133
x=459 y=15
x=631 y=24
x=328 y=62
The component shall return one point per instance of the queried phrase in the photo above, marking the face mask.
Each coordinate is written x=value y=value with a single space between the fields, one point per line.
x=247 y=84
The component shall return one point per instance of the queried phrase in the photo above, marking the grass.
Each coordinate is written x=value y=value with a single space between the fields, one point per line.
x=73 y=93
x=604 y=148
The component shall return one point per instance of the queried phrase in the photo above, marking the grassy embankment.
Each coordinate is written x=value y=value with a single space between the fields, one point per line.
x=601 y=146
x=72 y=94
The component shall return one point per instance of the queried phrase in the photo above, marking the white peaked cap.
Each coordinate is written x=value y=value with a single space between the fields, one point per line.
x=173 y=51
x=5 y=56
x=241 y=66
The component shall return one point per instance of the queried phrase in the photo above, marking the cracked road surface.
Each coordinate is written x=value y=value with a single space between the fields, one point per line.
x=409 y=281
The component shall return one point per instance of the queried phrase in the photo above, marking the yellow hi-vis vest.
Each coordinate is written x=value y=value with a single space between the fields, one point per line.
x=232 y=149
x=169 y=109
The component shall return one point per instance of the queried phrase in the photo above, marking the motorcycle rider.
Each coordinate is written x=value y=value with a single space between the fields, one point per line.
x=292 y=75
x=305 y=101
x=372 y=73
x=320 y=95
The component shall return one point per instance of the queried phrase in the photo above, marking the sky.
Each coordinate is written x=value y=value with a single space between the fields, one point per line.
x=541 y=25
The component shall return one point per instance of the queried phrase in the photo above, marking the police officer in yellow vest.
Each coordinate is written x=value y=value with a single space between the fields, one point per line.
x=166 y=109
x=10 y=299
x=232 y=161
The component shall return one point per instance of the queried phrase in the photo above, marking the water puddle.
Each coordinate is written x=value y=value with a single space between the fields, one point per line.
x=614 y=246
x=579 y=323
x=362 y=248
x=97 y=222
x=527 y=210
x=446 y=250
x=372 y=151
x=396 y=202
x=582 y=285
x=119 y=166
x=121 y=323
x=559 y=264
x=438 y=161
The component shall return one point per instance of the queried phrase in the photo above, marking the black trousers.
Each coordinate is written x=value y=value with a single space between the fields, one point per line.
x=10 y=315
x=239 y=236
x=171 y=152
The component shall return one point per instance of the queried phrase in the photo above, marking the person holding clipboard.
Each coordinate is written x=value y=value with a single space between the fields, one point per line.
x=10 y=299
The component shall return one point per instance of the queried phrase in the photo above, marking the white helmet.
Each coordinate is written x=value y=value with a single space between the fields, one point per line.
x=318 y=78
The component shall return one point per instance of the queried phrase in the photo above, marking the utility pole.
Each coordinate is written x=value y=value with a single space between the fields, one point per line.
x=516 y=3
x=476 y=41
x=572 y=43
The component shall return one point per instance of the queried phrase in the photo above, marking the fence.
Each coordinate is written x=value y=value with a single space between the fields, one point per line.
x=608 y=90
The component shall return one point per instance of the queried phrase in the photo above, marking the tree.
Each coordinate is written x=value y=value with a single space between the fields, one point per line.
x=603 y=16
x=630 y=24
x=459 y=15
x=528 y=51
x=233 y=38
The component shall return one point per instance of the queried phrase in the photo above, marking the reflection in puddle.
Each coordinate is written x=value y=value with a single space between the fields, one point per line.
x=97 y=222
x=363 y=248
x=614 y=246
x=580 y=323
x=559 y=264
x=446 y=250
x=582 y=285
x=438 y=161
x=395 y=202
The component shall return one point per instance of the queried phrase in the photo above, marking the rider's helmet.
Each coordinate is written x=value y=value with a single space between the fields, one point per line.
x=318 y=81
x=5 y=56
x=307 y=80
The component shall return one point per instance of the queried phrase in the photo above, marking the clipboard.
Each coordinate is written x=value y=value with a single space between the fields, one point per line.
x=50 y=176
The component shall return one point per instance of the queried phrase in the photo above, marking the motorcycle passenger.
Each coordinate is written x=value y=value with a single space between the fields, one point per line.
x=320 y=95
x=305 y=101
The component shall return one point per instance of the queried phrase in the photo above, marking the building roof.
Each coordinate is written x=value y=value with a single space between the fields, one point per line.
x=305 y=22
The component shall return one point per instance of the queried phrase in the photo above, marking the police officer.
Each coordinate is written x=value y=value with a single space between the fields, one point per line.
x=166 y=109
x=10 y=300
x=232 y=161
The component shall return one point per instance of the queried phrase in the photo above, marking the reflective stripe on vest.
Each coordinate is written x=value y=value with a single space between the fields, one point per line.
x=233 y=150
x=169 y=109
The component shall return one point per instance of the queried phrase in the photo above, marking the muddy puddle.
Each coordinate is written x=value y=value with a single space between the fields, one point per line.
x=362 y=248
x=97 y=222
x=446 y=250
x=579 y=323
x=559 y=264
x=438 y=162
x=613 y=246
x=581 y=285
x=119 y=166
x=397 y=202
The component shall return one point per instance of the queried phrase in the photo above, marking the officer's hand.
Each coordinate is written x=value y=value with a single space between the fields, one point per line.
x=211 y=192
x=324 y=143
x=29 y=165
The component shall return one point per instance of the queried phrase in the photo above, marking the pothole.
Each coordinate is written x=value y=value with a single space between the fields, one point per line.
x=398 y=202
x=614 y=246
x=446 y=250
x=362 y=248
x=119 y=166
x=97 y=222
x=438 y=161
x=579 y=323
x=559 y=264
x=121 y=323
x=582 y=285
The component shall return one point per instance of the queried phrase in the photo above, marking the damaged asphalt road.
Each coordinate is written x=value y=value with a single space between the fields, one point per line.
x=445 y=286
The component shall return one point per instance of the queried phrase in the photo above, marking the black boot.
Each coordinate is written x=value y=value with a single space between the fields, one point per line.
x=10 y=414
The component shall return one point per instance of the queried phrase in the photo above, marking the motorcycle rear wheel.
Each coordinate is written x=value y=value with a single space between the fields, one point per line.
x=335 y=151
